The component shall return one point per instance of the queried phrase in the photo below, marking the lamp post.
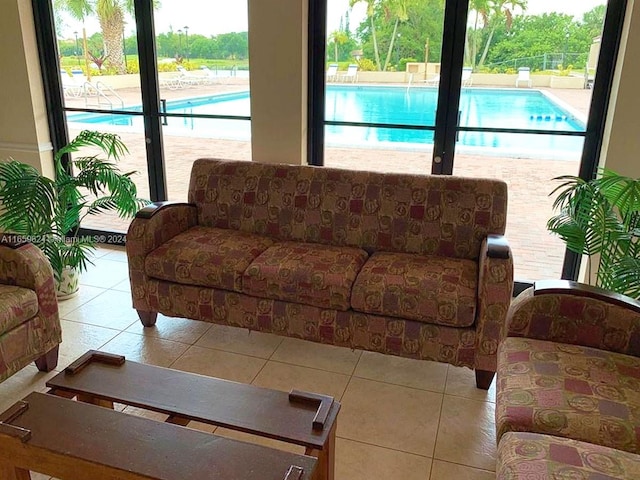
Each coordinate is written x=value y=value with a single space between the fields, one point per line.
x=186 y=42
x=77 y=51
x=179 y=42
x=564 y=53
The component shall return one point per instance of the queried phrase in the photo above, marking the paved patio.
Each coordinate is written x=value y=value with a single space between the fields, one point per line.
x=537 y=254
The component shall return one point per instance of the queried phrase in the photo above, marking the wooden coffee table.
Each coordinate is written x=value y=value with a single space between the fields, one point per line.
x=76 y=441
x=300 y=418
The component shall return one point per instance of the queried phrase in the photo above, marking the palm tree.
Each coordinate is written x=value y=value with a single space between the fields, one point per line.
x=499 y=11
x=371 y=8
x=110 y=14
x=397 y=9
x=338 y=37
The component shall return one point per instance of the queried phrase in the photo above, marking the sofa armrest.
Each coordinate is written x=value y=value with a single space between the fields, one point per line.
x=23 y=264
x=577 y=314
x=153 y=226
x=157 y=223
x=495 y=289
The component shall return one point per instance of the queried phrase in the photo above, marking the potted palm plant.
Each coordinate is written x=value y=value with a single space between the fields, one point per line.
x=600 y=218
x=48 y=212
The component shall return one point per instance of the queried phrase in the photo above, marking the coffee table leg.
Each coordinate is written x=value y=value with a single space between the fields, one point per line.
x=9 y=472
x=326 y=456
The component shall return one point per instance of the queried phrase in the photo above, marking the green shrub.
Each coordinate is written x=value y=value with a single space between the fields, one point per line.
x=366 y=65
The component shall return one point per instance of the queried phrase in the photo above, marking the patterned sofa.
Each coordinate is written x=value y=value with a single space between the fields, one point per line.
x=569 y=376
x=29 y=324
x=410 y=265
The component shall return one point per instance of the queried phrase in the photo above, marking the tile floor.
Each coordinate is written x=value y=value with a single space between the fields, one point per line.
x=400 y=418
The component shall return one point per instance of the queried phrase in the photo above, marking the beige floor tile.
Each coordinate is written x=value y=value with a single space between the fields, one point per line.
x=407 y=372
x=255 y=439
x=21 y=384
x=175 y=329
x=461 y=382
x=359 y=461
x=467 y=433
x=111 y=309
x=140 y=412
x=285 y=377
x=124 y=286
x=240 y=340
x=317 y=355
x=449 y=471
x=117 y=254
x=105 y=273
x=390 y=416
x=77 y=338
x=40 y=476
x=85 y=294
x=144 y=349
x=216 y=363
x=203 y=427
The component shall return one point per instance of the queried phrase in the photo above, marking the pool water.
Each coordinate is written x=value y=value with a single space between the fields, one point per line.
x=486 y=108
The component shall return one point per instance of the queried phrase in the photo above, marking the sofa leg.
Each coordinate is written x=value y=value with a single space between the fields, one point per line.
x=148 y=319
x=484 y=379
x=48 y=361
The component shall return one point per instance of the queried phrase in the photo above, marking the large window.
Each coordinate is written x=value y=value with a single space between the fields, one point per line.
x=491 y=89
x=172 y=80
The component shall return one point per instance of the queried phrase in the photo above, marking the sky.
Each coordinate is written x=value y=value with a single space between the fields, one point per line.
x=213 y=17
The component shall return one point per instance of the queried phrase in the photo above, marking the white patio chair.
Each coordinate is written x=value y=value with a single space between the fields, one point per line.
x=466 y=77
x=433 y=81
x=332 y=72
x=524 y=75
x=351 y=75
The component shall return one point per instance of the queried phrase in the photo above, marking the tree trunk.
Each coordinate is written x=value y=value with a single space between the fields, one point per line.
x=335 y=47
x=375 y=44
x=112 y=29
x=393 y=37
x=486 y=46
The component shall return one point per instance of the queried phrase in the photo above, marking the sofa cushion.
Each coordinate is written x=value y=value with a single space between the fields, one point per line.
x=210 y=257
x=17 y=305
x=308 y=273
x=531 y=456
x=569 y=391
x=429 y=289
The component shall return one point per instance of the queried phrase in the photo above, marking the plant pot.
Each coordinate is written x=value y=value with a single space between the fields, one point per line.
x=69 y=283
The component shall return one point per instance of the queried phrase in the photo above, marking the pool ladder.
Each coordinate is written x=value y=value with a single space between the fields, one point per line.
x=102 y=93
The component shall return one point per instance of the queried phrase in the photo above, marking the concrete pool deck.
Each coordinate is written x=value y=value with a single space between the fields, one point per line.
x=537 y=254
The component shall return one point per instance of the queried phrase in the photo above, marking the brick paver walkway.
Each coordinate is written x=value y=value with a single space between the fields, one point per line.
x=537 y=254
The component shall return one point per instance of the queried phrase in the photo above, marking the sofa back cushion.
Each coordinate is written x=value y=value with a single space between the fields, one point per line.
x=424 y=214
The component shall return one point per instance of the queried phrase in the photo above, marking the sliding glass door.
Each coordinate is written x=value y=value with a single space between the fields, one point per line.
x=171 y=78
x=501 y=89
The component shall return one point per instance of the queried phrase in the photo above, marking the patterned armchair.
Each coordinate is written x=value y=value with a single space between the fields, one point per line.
x=29 y=324
x=569 y=376
x=409 y=265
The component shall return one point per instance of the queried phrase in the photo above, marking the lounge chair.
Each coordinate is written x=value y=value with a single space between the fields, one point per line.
x=466 y=77
x=351 y=75
x=433 y=81
x=71 y=86
x=189 y=78
x=524 y=75
x=332 y=72
x=211 y=76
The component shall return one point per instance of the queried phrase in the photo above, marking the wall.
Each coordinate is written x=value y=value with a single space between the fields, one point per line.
x=24 y=133
x=621 y=149
x=278 y=80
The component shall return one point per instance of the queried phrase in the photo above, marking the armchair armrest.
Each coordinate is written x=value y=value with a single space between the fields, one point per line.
x=495 y=289
x=576 y=314
x=566 y=287
x=24 y=265
x=155 y=207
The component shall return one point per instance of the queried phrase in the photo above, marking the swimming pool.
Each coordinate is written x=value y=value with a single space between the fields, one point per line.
x=479 y=107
